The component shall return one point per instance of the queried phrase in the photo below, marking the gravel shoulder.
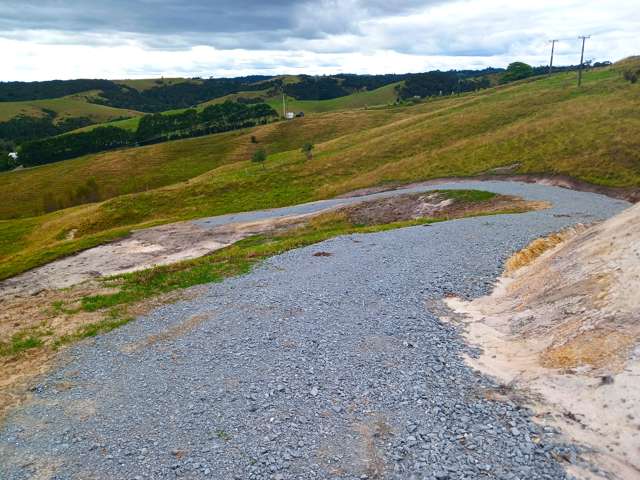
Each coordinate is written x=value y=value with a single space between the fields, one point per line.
x=331 y=366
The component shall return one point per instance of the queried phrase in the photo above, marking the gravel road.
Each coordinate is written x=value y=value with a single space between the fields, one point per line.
x=310 y=367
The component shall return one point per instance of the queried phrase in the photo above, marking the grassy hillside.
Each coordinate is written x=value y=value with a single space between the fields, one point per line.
x=547 y=125
x=65 y=107
x=139 y=169
x=234 y=97
x=147 y=83
x=380 y=96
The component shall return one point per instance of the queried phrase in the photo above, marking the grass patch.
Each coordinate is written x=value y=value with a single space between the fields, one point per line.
x=469 y=196
x=24 y=340
x=231 y=261
x=90 y=330
x=381 y=96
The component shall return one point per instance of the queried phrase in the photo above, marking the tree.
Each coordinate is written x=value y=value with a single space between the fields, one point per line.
x=307 y=149
x=516 y=71
x=259 y=156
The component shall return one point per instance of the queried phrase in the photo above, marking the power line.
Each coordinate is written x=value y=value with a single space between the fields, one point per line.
x=553 y=48
x=584 y=39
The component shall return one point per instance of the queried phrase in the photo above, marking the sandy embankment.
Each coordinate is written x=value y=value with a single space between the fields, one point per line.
x=565 y=327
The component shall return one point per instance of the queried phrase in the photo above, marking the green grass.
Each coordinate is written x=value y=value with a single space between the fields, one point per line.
x=133 y=170
x=148 y=83
x=130 y=124
x=90 y=330
x=66 y=107
x=469 y=196
x=24 y=340
x=117 y=172
x=547 y=126
x=382 y=96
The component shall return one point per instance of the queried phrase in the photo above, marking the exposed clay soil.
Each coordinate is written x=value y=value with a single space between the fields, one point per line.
x=566 y=326
x=431 y=205
x=143 y=249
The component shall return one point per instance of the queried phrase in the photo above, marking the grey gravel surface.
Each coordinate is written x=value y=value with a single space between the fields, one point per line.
x=307 y=368
x=320 y=205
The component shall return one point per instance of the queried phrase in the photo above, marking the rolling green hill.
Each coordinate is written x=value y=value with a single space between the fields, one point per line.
x=147 y=83
x=65 y=107
x=381 y=96
x=544 y=126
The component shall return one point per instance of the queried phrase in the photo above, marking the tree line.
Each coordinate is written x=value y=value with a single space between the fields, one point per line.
x=23 y=128
x=153 y=128
x=440 y=83
x=437 y=83
x=158 y=98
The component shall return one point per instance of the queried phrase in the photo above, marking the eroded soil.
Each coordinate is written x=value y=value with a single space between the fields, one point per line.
x=566 y=326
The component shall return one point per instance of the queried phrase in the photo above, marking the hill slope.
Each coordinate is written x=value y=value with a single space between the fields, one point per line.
x=375 y=98
x=543 y=126
x=64 y=107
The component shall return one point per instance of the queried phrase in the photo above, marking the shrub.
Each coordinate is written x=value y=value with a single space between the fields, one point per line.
x=307 y=149
x=517 y=71
x=259 y=156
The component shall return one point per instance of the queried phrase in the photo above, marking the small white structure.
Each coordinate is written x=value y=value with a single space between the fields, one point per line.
x=13 y=156
x=290 y=115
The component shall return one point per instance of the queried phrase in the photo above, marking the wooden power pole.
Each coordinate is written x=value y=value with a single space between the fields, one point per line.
x=553 y=48
x=584 y=39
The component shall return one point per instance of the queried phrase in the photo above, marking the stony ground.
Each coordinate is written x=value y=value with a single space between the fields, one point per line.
x=311 y=367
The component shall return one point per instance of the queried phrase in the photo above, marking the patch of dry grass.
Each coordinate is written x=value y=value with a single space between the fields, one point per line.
x=598 y=348
x=535 y=249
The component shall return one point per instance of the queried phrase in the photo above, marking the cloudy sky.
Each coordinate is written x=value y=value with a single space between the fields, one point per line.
x=45 y=39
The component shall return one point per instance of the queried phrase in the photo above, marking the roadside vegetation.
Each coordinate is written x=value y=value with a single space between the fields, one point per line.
x=543 y=126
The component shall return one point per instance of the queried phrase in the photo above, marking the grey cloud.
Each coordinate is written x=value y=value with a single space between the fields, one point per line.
x=226 y=24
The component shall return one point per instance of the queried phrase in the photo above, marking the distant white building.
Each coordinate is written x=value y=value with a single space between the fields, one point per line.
x=290 y=115
x=14 y=156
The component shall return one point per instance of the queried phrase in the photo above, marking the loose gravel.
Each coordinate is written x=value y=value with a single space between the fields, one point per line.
x=310 y=367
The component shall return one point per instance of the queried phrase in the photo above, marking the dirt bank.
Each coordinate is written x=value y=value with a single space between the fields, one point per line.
x=566 y=327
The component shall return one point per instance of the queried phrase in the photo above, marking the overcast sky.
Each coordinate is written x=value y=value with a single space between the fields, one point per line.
x=47 y=39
